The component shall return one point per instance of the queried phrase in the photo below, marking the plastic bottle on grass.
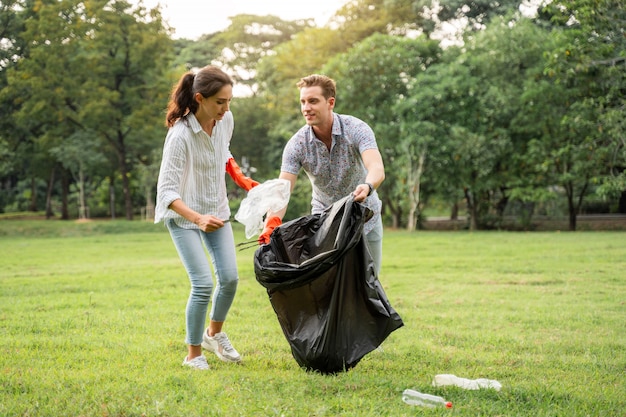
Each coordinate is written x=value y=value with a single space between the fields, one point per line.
x=412 y=397
x=473 y=384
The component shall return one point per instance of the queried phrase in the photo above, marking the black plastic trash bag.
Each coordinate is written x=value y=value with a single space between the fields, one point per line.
x=322 y=284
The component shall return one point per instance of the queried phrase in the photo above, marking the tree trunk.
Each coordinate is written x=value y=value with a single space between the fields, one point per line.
x=621 y=207
x=454 y=212
x=33 y=194
x=396 y=212
x=128 y=201
x=112 y=198
x=82 y=207
x=502 y=203
x=572 y=221
x=149 y=204
x=49 y=212
x=65 y=191
x=574 y=208
x=571 y=207
x=472 y=210
x=414 y=182
x=473 y=218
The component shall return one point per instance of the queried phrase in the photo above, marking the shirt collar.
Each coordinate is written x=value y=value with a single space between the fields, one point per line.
x=336 y=125
x=335 y=131
x=194 y=124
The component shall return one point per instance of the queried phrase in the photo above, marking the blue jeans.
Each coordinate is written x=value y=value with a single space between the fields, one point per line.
x=220 y=244
x=375 y=244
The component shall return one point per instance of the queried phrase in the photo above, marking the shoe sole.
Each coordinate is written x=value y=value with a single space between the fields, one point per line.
x=188 y=365
x=195 y=368
x=223 y=358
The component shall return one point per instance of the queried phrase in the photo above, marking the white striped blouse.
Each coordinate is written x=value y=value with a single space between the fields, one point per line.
x=193 y=169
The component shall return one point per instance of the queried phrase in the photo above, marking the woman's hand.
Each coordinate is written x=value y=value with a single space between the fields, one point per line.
x=208 y=223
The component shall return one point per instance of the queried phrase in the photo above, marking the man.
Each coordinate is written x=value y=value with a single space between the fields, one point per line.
x=339 y=155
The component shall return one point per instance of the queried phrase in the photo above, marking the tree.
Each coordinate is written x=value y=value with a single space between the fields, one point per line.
x=465 y=15
x=11 y=48
x=250 y=138
x=195 y=54
x=465 y=154
x=78 y=154
x=96 y=67
x=128 y=57
x=590 y=54
x=34 y=79
x=582 y=140
x=462 y=109
x=359 y=19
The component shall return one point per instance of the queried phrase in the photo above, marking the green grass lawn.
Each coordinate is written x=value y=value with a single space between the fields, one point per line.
x=92 y=324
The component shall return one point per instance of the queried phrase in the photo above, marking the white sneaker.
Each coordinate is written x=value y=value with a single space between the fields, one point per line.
x=220 y=345
x=199 y=362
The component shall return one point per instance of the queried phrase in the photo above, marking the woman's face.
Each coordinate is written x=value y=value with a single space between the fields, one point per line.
x=215 y=106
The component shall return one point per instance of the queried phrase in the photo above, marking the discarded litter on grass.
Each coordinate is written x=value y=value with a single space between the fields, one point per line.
x=471 y=384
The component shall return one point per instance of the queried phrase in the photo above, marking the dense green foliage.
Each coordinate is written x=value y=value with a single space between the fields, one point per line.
x=92 y=324
x=512 y=116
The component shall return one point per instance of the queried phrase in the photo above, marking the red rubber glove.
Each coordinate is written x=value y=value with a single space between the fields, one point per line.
x=240 y=179
x=271 y=224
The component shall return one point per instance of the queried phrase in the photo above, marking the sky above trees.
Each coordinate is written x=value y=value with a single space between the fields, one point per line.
x=194 y=18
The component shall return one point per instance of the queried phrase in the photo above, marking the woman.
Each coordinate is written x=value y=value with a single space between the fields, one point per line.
x=192 y=201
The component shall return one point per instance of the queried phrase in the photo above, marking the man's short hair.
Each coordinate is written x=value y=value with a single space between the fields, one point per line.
x=316 y=80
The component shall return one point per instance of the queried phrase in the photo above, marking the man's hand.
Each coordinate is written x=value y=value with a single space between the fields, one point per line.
x=237 y=175
x=362 y=191
x=270 y=225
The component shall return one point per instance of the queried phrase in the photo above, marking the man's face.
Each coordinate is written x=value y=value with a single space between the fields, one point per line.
x=314 y=107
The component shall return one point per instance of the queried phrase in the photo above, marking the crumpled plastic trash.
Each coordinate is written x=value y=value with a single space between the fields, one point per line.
x=471 y=384
x=271 y=195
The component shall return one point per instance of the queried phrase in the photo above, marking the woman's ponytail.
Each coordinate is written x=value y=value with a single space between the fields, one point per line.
x=181 y=100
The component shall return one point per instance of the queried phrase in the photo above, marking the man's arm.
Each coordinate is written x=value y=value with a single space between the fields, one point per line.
x=373 y=162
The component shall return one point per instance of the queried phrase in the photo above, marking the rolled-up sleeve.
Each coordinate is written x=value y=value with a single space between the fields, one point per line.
x=170 y=175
